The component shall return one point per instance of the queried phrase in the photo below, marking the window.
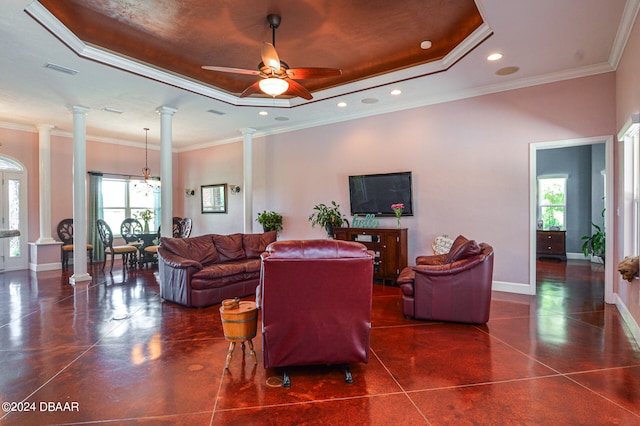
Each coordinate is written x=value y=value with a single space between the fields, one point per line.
x=123 y=198
x=552 y=202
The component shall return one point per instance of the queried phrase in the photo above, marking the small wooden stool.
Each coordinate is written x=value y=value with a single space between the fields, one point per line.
x=239 y=324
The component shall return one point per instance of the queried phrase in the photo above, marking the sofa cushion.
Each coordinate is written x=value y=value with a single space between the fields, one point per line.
x=255 y=244
x=222 y=274
x=229 y=247
x=462 y=248
x=199 y=248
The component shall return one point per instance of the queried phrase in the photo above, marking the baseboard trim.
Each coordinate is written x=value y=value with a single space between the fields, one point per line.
x=508 y=287
x=628 y=318
x=45 y=266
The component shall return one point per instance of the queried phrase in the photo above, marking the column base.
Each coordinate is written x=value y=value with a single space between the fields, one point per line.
x=79 y=278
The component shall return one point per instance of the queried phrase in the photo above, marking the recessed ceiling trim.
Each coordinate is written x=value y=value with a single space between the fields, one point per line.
x=467 y=45
x=49 y=21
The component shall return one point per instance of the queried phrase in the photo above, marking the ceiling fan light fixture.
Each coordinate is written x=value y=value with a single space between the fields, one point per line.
x=273 y=86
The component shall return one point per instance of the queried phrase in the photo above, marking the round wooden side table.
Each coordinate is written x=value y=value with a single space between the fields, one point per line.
x=239 y=324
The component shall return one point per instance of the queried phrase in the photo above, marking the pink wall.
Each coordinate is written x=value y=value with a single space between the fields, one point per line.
x=470 y=161
x=23 y=146
x=627 y=104
x=628 y=79
x=469 y=158
x=220 y=164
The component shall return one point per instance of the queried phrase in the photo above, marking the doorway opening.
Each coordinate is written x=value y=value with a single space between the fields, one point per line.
x=13 y=210
x=537 y=152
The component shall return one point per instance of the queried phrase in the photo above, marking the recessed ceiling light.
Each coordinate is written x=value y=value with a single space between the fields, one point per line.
x=507 y=70
x=342 y=104
x=369 y=101
x=281 y=118
x=396 y=92
x=263 y=113
x=494 y=56
x=426 y=45
x=60 y=68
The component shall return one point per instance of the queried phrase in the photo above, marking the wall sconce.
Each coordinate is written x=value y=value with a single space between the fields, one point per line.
x=189 y=192
x=235 y=189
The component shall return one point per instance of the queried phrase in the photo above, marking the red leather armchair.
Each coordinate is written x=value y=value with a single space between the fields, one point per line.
x=315 y=297
x=452 y=287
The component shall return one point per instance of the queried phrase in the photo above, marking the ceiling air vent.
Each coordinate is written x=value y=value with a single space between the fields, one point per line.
x=60 y=68
x=213 y=111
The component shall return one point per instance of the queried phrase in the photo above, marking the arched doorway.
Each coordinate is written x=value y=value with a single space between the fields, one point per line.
x=13 y=209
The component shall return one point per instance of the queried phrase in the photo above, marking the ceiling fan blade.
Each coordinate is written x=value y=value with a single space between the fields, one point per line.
x=270 y=57
x=254 y=88
x=233 y=70
x=304 y=73
x=296 y=89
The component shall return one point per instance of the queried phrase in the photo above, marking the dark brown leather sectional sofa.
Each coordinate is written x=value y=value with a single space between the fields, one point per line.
x=204 y=270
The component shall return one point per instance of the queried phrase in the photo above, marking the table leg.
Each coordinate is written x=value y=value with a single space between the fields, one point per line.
x=253 y=353
x=232 y=346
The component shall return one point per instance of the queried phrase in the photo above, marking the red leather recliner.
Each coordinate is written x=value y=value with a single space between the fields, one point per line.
x=315 y=297
x=452 y=287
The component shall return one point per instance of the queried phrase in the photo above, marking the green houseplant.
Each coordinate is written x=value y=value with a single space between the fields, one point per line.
x=327 y=217
x=270 y=221
x=146 y=216
x=594 y=244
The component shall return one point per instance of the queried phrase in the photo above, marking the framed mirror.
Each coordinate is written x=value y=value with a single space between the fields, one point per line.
x=214 y=198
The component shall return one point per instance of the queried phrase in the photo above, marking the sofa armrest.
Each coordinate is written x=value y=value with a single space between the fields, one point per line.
x=437 y=259
x=449 y=268
x=405 y=281
x=175 y=261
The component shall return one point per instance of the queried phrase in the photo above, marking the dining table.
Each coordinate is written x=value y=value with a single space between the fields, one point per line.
x=147 y=239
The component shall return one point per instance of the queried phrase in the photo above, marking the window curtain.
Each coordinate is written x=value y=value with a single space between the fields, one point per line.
x=95 y=213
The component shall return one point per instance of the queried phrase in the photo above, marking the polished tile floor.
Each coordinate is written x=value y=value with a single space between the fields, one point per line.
x=112 y=352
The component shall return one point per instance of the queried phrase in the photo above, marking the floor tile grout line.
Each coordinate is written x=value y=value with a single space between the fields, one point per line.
x=399 y=385
x=215 y=402
x=324 y=400
x=92 y=346
x=593 y=391
x=517 y=350
x=567 y=375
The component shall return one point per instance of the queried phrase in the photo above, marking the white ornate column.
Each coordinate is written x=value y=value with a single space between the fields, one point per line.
x=166 y=170
x=44 y=154
x=79 y=196
x=247 y=184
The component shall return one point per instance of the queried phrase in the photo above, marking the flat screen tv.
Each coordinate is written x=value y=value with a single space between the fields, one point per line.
x=374 y=194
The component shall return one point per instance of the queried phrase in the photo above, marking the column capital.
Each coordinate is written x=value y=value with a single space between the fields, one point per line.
x=247 y=131
x=166 y=110
x=45 y=127
x=78 y=109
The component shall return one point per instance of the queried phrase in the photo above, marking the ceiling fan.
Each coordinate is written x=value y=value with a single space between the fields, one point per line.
x=277 y=77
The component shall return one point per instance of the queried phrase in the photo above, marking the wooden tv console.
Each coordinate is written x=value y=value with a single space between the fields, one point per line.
x=388 y=244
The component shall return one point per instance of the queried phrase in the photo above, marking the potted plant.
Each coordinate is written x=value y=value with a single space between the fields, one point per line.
x=327 y=217
x=145 y=216
x=594 y=244
x=270 y=221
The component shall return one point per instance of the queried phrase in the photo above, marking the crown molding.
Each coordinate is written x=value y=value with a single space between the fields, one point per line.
x=629 y=15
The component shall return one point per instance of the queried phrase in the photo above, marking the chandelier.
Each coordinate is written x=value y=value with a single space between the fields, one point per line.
x=151 y=184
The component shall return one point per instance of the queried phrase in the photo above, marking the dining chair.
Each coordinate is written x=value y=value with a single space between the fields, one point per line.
x=65 y=233
x=185 y=227
x=127 y=252
x=177 y=230
x=130 y=229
